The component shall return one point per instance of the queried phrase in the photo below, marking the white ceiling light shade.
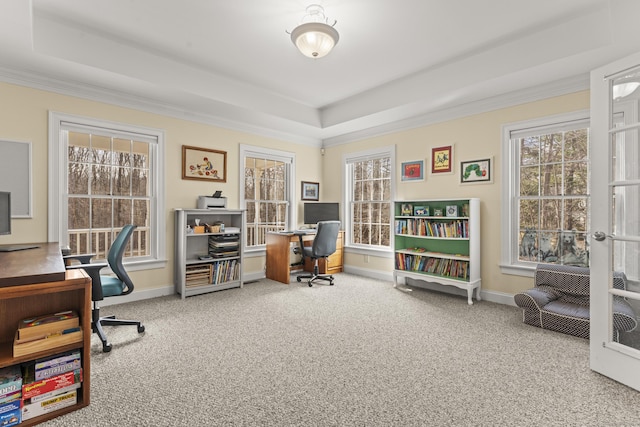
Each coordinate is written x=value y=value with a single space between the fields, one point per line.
x=314 y=37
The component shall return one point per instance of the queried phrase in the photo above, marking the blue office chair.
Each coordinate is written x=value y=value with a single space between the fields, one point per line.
x=108 y=286
x=323 y=246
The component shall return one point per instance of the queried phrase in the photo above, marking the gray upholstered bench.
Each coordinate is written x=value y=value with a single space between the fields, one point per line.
x=560 y=301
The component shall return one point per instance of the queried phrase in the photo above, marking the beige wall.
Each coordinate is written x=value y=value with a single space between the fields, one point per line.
x=24 y=115
x=474 y=137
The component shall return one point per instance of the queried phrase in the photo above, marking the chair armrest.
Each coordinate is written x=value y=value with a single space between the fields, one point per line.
x=536 y=297
x=84 y=258
x=93 y=270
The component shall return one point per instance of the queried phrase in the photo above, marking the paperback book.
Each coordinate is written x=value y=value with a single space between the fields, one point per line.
x=10 y=380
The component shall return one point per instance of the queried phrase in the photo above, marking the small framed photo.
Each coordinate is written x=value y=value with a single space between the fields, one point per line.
x=442 y=159
x=413 y=171
x=421 y=210
x=204 y=164
x=475 y=171
x=452 y=210
x=437 y=212
x=310 y=191
x=406 y=209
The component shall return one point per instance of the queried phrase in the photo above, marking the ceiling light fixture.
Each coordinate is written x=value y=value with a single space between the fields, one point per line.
x=315 y=37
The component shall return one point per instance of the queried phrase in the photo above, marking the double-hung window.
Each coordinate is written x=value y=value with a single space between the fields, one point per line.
x=546 y=192
x=368 y=196
x=266 y=192
x=102 y=177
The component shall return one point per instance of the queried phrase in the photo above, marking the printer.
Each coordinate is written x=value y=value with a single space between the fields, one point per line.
x=209 y=202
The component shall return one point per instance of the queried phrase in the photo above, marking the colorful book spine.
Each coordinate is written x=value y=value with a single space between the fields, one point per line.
x=10 y=380
x=30 y=390
x=57 y=359
x=53 y=393
x=10 y=414
x=62 y=368
x=36 y=409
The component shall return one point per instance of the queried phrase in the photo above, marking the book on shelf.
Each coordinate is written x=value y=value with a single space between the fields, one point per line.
x=47 y=342
x=52 y=371
x=55 y=403
x=37 y=388
x=40 y=326
x=10 y=380
x=16 y=395
x=47 y=362
x=45 y=396
x=10 y=414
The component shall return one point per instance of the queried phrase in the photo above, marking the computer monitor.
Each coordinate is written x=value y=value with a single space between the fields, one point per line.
x=314 y=212
x=5 y=212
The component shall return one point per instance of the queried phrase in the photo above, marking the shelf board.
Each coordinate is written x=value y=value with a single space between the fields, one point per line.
x=435 y=254
x=437 y=278
x=431 y=237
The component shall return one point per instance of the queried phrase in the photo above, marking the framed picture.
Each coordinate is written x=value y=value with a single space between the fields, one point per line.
x=421 y=210
x=204 y=164
x=310 y=191
x=442 y=159
x=475 y=171
x=412 y=171
x=452 y=210
x=406 y=209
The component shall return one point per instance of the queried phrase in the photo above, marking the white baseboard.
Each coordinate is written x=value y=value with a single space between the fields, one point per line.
x=138 y=295
x=254 y=276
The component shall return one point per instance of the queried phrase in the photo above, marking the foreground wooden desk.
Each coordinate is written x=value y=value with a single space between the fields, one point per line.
x=34 y=282
x=279 y=261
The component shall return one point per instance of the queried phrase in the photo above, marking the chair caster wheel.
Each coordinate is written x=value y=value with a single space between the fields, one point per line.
x=310 y=285
x=106 y=348
x=298 y=279
x=331 y=283
x=140 y=329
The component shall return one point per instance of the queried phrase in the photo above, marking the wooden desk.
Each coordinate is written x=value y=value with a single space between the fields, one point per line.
x=278 y=256
x=30 y=286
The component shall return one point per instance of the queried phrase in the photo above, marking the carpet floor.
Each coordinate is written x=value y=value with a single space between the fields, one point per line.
x=360 y=353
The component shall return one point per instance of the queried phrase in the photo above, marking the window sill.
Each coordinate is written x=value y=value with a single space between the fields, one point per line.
x=380 y=253
x=518 y=270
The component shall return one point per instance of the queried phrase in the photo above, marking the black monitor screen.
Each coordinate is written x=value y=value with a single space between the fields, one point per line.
x=314 y=212
x=5 y=212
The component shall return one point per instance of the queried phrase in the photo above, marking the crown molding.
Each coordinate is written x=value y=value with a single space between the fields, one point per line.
x=157 y=106
x=557 y=88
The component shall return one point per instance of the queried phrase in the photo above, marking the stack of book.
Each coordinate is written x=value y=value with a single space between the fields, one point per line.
x=46 y=332
x=10 y=395
x=223 y=246
x=50 y=384
x=198 y=275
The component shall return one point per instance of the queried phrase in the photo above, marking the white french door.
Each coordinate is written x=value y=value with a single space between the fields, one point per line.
x=615 y=217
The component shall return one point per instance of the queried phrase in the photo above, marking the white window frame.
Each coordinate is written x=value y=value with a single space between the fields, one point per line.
x=57 y=214
x=509 y=263
x=286 y=157
x=347 y=160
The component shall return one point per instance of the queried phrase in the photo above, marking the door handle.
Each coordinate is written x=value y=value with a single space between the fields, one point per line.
x=599 y=236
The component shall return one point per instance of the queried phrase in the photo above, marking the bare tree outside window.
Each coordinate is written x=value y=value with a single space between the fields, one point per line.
x=265 y=193
x=371 y=202
x=553 y=199
x=108 y=187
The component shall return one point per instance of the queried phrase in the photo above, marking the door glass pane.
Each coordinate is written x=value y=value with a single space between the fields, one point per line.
x=625 y=309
